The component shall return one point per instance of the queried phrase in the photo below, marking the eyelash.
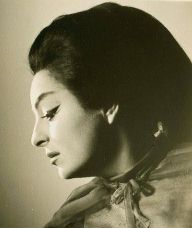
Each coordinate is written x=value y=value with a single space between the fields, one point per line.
x=51 y=113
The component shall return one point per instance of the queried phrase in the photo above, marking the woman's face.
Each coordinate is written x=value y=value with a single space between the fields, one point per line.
x=73 y=137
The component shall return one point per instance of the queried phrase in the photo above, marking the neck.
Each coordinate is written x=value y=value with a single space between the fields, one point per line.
x=123 y=158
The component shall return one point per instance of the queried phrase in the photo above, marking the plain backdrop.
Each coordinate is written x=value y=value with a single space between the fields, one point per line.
x=30 y=189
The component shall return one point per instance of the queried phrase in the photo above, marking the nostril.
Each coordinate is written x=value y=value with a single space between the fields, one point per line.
x=40 y=142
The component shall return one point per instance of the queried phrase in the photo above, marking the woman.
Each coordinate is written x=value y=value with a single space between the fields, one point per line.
x=111 y=96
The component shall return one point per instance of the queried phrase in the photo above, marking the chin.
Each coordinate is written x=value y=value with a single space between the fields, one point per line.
x=64 y=174
x=69 y=174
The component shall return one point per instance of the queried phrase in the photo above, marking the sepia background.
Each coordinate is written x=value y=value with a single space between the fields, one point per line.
x=30 y=189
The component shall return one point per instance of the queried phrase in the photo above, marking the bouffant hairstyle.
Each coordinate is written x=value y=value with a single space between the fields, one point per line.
x=115 y=54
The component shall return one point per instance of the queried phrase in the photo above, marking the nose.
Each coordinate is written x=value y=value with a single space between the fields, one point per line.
x=39 y=137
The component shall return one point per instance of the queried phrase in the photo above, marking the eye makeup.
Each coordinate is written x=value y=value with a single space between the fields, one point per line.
x=51 y=113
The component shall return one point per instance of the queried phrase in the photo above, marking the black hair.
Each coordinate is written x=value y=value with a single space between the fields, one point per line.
x=117 y=54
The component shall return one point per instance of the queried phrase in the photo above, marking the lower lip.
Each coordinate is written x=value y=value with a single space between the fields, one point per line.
x=54 y=160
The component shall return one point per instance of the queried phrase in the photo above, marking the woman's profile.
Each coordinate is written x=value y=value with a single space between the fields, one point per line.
x=111 y=94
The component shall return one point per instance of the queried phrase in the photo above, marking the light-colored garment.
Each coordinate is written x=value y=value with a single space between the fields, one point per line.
x=161 y=198
x=170 y=206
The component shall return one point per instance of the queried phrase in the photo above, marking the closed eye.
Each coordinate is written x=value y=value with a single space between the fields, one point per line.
x=51 y=113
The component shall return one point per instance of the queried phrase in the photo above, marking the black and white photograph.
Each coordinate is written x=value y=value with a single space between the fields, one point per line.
x=96 y=114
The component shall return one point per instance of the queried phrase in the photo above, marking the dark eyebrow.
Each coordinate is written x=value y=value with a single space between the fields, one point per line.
x=41 y=97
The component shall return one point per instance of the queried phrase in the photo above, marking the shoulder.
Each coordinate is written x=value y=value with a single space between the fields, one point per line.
x=177 y=164
x=171 y=203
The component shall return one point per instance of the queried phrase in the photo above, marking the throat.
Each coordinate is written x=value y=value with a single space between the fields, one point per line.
x=121 y=159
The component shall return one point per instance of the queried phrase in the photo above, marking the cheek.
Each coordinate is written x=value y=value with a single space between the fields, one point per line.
x=75 y=134
x=63 y=135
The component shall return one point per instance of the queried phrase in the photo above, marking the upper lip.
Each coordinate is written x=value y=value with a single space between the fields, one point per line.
x=52 y=154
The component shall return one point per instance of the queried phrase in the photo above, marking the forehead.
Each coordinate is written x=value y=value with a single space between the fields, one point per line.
x=42 y=83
